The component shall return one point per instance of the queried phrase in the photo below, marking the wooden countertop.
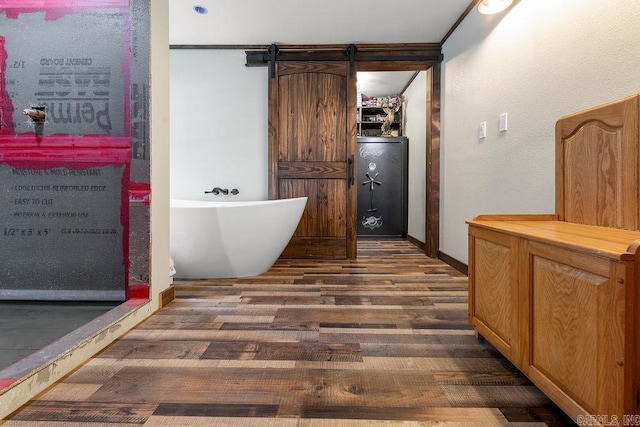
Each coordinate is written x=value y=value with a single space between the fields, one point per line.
x=609 y=242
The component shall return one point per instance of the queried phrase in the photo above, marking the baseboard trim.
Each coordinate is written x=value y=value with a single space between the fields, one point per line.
x=415 y=242
x=458 y=265
x=167 y=296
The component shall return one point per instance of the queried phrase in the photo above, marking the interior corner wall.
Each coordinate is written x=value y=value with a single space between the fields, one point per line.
x=218 y=125
x=415 y=128
x=539 y=61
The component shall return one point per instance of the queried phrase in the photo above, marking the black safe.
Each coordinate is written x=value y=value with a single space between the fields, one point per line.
x=382 y=186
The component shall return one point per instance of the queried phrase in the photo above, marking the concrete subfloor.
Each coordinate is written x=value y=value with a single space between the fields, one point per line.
x=28 y=326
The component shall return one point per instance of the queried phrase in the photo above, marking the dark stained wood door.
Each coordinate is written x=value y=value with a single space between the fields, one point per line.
x=312 y=143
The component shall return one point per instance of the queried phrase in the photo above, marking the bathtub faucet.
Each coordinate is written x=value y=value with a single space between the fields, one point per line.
x=217 y=190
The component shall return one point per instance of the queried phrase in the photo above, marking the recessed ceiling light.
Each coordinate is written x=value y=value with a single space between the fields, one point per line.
x=200 y=9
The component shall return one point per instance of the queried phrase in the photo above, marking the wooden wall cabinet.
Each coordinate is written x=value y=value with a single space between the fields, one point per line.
x=558 y=294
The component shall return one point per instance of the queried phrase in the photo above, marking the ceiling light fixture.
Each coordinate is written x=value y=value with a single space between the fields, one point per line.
x=489 y=7
x=200 y=10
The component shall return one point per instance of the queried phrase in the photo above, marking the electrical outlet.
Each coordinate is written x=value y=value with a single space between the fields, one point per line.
x=482 y=131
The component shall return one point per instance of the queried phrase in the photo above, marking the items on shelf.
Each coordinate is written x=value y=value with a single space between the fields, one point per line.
x=381 y=102
x=379 y=116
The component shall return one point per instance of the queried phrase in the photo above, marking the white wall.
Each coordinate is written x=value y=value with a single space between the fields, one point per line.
x=218 y=125
x=541 y=60
x=159 y=126
x=415 y=110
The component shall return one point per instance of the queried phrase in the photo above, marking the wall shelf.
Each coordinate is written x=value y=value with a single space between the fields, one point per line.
x=371 y=115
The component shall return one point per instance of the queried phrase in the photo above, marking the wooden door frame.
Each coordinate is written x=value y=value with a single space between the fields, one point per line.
x=432 y=142
x=384 y=57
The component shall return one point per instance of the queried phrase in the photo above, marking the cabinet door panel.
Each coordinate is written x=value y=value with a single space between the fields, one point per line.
x=576 y=338
x=565 y=318
x=494 y=290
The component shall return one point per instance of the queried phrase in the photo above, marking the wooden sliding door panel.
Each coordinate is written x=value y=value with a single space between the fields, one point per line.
x=315 y=248
x=324 y=215
x=291 y=188
x=311 y=142
x=313 y=120
x=312 y=169
x=332 y=213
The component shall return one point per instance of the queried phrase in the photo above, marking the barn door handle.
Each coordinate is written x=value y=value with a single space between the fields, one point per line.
x=350 y=177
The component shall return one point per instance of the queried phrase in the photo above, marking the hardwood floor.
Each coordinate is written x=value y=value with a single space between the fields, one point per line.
x=383 y=339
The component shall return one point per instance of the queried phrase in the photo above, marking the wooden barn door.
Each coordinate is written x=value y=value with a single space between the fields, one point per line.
x=312 y=143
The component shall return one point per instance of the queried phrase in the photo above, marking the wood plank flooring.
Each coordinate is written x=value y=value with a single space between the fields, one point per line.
x=383 y=339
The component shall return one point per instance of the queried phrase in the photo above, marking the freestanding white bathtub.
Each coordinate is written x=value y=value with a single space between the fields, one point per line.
x=230 y=239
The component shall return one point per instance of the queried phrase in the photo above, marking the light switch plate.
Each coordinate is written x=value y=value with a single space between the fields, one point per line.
x=482 y=130
x=503 y=122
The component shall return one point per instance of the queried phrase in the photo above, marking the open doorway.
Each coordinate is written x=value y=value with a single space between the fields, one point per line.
x=418 y=85
x=382 y=155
